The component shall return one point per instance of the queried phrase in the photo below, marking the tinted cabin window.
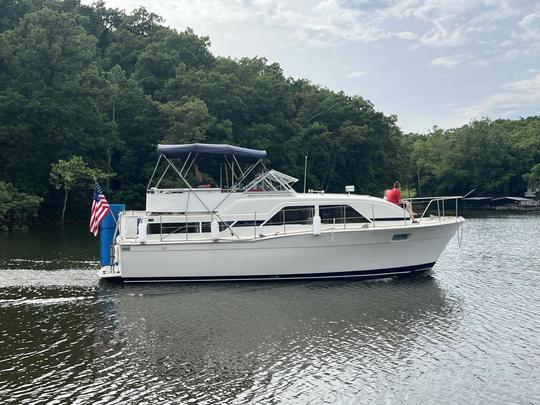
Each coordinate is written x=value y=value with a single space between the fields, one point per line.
x=341 y=214
x=173 y=227
x=293 y=215
x=238 y=224
x=206 y=227
x=180 y=227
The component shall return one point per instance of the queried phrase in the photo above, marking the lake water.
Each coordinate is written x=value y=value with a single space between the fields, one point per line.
x=468 y=332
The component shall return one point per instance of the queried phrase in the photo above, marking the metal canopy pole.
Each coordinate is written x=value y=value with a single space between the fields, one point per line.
x=248 y=172
x=185 y=162
x=226 y=171
x=191 y=164
x=230 y=191
x=153 y=173
x=163 y=175
x=238 y=164
x=199 y=198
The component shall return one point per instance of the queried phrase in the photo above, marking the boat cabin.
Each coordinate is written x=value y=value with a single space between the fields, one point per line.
x=206 y=191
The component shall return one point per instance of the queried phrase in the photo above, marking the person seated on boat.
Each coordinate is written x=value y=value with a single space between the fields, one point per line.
x=386 y=191
x=394 y=196
x=203 y=180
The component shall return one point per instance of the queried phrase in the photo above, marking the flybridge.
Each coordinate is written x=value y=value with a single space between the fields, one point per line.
x=234 y=169
x=209 y=174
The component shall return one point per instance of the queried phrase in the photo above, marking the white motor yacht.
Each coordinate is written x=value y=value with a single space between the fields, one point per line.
x=248 y=223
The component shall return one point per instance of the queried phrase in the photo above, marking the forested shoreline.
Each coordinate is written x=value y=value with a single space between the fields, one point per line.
x=106 y=87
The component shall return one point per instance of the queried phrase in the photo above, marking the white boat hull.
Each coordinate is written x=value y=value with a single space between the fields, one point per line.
x=344 y=253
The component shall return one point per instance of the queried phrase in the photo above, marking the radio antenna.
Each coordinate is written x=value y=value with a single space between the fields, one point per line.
x=305 y=172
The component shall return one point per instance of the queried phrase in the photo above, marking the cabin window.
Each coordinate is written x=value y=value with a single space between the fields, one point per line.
x=180 y=227
x=400 y=236
x=247 y=223
x=173 y=227
x=299 y=215
x=340 y=214
x=206 y=227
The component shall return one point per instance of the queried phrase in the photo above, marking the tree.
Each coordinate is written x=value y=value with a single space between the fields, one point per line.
x=87 y=80
x=532 y=178
x=66 y=174
x=16 y=208
x=492 y=157
x=187 y=122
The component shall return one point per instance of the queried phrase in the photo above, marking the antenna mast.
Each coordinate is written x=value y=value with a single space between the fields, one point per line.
x=305 y=172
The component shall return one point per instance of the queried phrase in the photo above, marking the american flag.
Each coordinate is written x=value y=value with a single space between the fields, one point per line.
x=100 y=209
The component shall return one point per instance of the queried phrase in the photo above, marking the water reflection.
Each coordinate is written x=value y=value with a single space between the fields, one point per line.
x=212 y=343
x=49 y=248
x=251 y=341
x=467 y=332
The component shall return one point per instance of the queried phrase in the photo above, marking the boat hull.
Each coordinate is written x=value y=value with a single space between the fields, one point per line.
x=346 y=253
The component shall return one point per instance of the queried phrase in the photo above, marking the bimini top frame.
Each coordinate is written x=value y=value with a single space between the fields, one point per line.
x=237 y=176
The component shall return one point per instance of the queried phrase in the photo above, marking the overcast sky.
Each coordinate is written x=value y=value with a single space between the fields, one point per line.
x=430 y=62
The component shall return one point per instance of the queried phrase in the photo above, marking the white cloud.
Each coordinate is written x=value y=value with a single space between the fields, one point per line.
x=513 y=96
x=354 y=75
x=327 y=40
x=461 y=60
x=447 y=61
x=526 y=86
x=433 y=23
x=443 y=37
x=530 y=25
x=406 y=35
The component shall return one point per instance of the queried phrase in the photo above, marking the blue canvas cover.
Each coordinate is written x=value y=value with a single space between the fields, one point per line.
x=176 y=151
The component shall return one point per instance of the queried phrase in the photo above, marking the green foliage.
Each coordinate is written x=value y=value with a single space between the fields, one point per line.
x=108 y=86
x=494 y=157
x=187 y=122
x=17 y=210
x=533 y=177
x=66 y=174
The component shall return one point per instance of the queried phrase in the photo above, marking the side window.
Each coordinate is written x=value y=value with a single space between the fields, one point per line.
x=301 y=215
x=206 y=227
x=172 y=227
x=340 y=214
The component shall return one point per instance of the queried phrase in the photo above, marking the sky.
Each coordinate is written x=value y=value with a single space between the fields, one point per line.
x=430 y=62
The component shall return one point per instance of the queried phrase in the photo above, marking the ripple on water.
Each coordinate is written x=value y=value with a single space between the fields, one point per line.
x=468 y=332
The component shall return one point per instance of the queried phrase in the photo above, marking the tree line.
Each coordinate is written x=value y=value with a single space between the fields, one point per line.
x=106 y=86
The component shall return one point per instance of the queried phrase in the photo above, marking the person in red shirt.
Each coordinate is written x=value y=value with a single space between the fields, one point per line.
x=394 y=196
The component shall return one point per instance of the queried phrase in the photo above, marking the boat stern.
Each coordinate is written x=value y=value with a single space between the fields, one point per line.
x=110 y=273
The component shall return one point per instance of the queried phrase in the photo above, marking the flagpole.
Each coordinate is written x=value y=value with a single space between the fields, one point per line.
x=96 y=184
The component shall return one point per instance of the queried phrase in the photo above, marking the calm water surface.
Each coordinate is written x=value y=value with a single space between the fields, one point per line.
x=468 y=332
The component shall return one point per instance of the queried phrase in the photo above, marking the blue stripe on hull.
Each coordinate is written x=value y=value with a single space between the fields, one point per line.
x=276 y=277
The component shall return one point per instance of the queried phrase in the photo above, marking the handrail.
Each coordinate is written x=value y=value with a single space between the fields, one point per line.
x=168 y=232
x=438 y=200
x=447 y=197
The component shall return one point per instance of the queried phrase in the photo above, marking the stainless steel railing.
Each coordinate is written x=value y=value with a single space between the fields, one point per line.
x=439 y=202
